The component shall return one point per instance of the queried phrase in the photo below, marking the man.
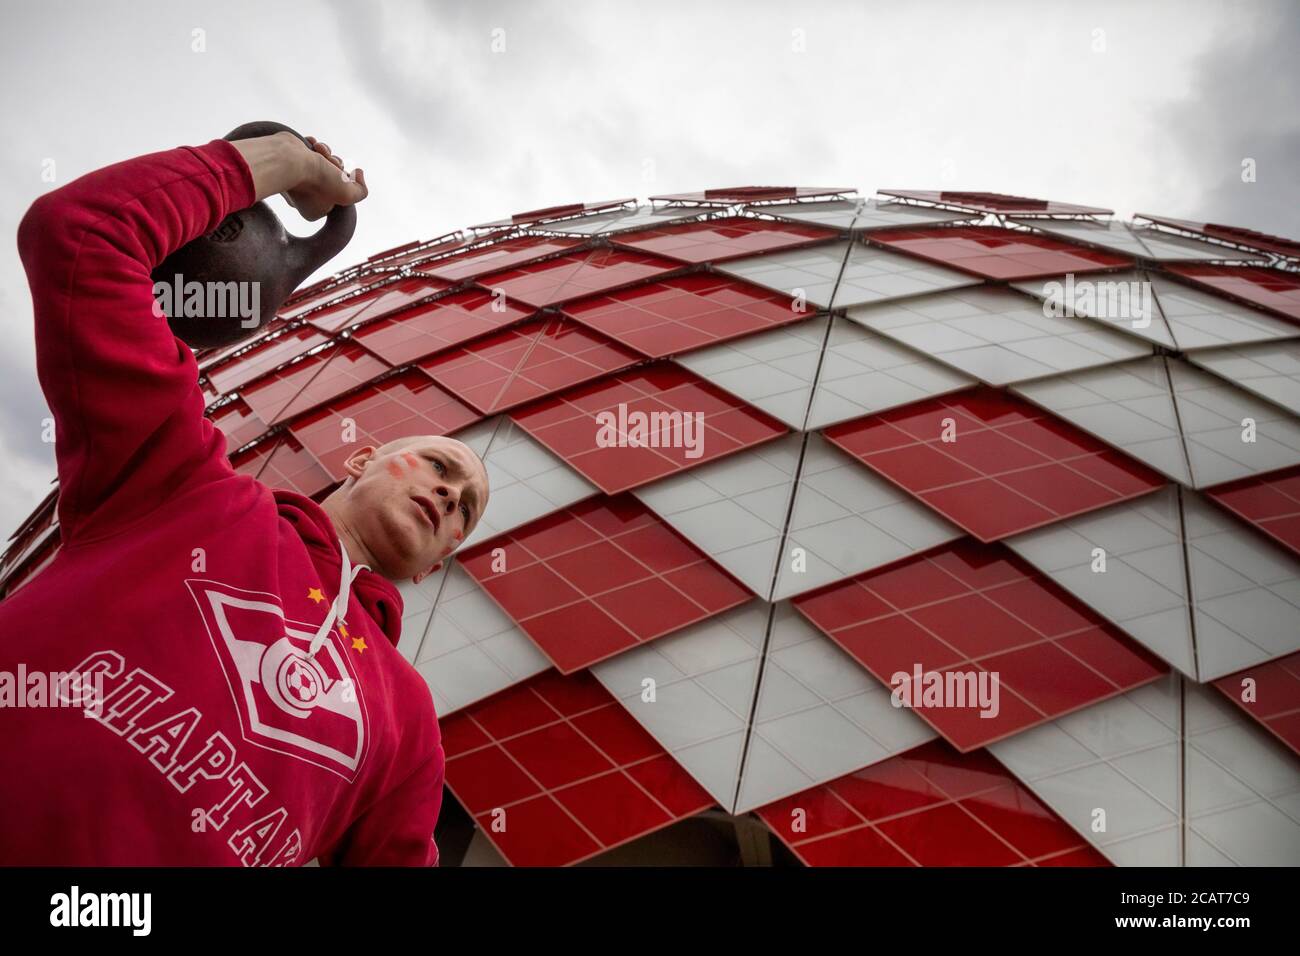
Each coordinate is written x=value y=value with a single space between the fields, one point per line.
x=223 y=684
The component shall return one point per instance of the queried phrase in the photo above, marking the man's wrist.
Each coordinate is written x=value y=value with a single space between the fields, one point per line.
x=278 y=163
x=295 y=157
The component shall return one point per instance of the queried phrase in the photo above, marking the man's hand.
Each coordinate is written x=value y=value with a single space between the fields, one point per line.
x=313 y=180
x=326 y=183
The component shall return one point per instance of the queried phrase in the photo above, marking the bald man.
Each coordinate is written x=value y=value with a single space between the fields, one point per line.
x=210 y=669
x=409 y=503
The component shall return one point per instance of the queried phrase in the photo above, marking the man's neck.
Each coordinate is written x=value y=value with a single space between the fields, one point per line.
x=358 y=553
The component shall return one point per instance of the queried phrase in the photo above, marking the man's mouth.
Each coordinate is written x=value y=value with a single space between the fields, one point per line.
x=428 y=510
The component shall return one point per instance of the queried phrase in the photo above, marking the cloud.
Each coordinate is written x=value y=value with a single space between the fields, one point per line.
x=29 y=461
x=1244 y=105
x=589 y=97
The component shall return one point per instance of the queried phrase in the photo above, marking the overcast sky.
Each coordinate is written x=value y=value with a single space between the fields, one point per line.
x=1140 y=107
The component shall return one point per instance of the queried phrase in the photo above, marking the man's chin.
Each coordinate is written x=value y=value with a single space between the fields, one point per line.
x=401 y=546
x=396 y=569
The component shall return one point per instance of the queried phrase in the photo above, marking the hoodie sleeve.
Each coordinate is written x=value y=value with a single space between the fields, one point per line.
x=124 y=393
x=398 y=829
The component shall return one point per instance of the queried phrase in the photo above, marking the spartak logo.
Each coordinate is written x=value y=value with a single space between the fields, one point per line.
x=309 y=708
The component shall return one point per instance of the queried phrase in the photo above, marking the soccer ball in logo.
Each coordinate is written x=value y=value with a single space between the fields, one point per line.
x=295 y=682
x=300 y=681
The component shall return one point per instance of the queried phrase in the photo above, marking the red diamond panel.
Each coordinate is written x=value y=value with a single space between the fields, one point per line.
x=974 y=608
x=526 y=362
x=423 y=330
x=998 y=253
x=615 y=455
x=1270 y=502
x=501 y=255
x=312 y=382
x=927 y=807
x=1276 y=691
x=284 y=464
x=732 y=194
x=376 y=303
x=717 y=239
x=257 y=361
x=338 y=316
x=1269 y=288
x=415 y=255
x=406 y=404
x=314 y=301
x=573 y=276
x=600 y=577
x=238 y=423
x=565 y=211
x=1011 y=467
x=995 y=202
x=683 y=313
x=566 y=768
x=252 y=462
x=1234 y=234
x=207 y=358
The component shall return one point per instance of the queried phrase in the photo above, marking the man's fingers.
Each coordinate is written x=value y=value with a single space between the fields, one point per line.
x=354 y=191
x=324 y=150
x=329 y=185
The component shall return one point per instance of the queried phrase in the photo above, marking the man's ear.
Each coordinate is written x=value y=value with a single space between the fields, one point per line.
x=358 y=460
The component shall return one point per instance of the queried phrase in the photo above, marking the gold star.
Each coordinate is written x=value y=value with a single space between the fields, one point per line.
x=315 y=594
x=343 y=629
x=358 y=644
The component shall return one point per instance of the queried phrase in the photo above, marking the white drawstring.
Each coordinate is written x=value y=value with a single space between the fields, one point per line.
x=339 y=608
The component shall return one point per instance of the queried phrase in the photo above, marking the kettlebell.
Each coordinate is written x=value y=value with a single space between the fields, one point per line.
x=222 y=287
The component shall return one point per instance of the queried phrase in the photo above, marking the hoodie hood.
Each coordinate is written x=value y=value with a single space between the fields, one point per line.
x=376 y=595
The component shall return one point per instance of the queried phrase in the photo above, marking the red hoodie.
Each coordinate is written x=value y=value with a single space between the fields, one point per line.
x=190 y=594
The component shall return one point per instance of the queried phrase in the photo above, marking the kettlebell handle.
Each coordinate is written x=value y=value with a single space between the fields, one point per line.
x=306 y=254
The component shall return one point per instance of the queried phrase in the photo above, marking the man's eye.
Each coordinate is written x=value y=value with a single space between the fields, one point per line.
x=465 y=511
x=436 y=464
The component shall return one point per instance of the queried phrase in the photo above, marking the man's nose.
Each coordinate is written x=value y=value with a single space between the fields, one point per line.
x=449 y=494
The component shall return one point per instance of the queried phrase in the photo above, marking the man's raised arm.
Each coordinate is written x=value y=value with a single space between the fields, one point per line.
x=128 y=412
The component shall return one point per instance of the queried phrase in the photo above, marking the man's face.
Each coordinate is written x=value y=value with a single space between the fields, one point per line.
x=413 y=502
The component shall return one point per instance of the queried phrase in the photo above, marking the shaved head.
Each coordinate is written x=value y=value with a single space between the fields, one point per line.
x=408 y=504
x=400 y=444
